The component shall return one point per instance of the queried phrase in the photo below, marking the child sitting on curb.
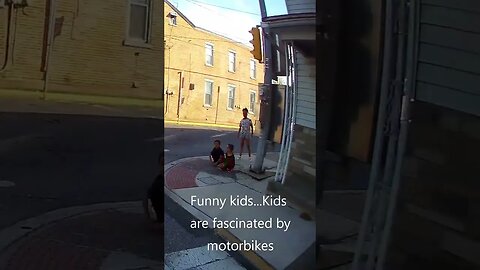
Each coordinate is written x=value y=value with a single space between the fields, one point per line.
x=229 y=163
x=217 y=155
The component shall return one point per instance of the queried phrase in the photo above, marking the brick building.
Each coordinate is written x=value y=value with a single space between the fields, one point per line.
x=110 y=48
x=208 y=77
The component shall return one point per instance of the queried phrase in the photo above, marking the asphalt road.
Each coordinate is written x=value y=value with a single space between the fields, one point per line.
x=186 y=142
x=57 y=161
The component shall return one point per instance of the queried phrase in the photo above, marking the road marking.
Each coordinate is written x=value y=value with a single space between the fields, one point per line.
x=166 y=150
x=200 y=258
x=6 y=184
x=157 y=139
x=219 y=135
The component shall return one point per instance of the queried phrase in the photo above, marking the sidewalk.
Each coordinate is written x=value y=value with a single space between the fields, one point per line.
x=195 y=176
x=182 y=123
x=88 y=237
x=106 y=236
x=31 y=102
x=335 y=227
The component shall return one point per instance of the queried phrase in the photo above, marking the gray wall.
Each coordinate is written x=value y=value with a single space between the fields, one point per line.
x=448 y=61
x=437 y=224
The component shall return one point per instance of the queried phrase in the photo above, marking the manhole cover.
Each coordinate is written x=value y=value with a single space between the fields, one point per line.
x=209 y=180
x=6 y=184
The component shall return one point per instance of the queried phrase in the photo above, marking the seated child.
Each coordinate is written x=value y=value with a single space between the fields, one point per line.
x=217 y=156
x=229 y=163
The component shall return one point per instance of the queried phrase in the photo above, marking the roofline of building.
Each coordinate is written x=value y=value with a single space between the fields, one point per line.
x=180 y=13
x=290 y=20
x=291 y=17
x=224 y=37
x=239 y=43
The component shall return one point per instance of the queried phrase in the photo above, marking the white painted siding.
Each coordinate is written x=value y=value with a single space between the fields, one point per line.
x=300 y=6
x=306 y=92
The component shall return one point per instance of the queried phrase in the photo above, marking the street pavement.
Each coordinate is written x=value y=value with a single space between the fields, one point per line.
x=183 y=141
x=58 y=161
x=51 y=161
x=74 y=162
x=57 y=103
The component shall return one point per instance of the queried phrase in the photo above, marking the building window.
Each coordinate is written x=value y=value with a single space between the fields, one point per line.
x=139 y=23
x=172 y=18
x=208 y=93
x=231 y=97
x=253 y=97
x=231 y=61
x=253 y=69
x=209 y=54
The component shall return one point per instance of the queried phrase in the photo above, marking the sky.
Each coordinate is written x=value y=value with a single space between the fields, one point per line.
x=230 y=18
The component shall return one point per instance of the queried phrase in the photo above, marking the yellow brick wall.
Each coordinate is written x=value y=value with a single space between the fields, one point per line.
x=89 y=55
x=26 y=39
x=185 y=52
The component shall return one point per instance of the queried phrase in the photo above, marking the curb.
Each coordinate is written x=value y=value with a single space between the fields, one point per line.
x=186 y=123
x=172 y=164
x=107 y=106
x=253 y=258
x=22 y=228
x=112 y=115
x=79 y=97
x=169 y=165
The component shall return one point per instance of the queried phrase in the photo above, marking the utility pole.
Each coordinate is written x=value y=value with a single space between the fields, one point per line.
x=265 y=93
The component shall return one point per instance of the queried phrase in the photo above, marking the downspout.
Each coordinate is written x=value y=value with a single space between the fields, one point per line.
x=50 y=37
x=409 y=7
x=286 y=121
x=166 y=103
x=46 y=23
x=392 y=152
x=7 y=41
x=218 y=98
x=293 y=106
x=288 y=118
x=168 y=80
x=14 y=36
x=379 y=138
x=179 y=94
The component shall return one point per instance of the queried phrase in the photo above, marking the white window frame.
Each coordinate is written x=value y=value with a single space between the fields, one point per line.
x=252 y=109
x=172 y=19
x=212 y=50
x=132 y=41
x=231 y=52
x=231 y=97
x=205 y=93
x=253 y=71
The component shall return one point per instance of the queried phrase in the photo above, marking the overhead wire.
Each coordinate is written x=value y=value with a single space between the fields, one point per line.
x=201 y=4
x=222 y=7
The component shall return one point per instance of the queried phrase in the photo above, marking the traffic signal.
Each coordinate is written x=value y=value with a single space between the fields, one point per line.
x=257 y=44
